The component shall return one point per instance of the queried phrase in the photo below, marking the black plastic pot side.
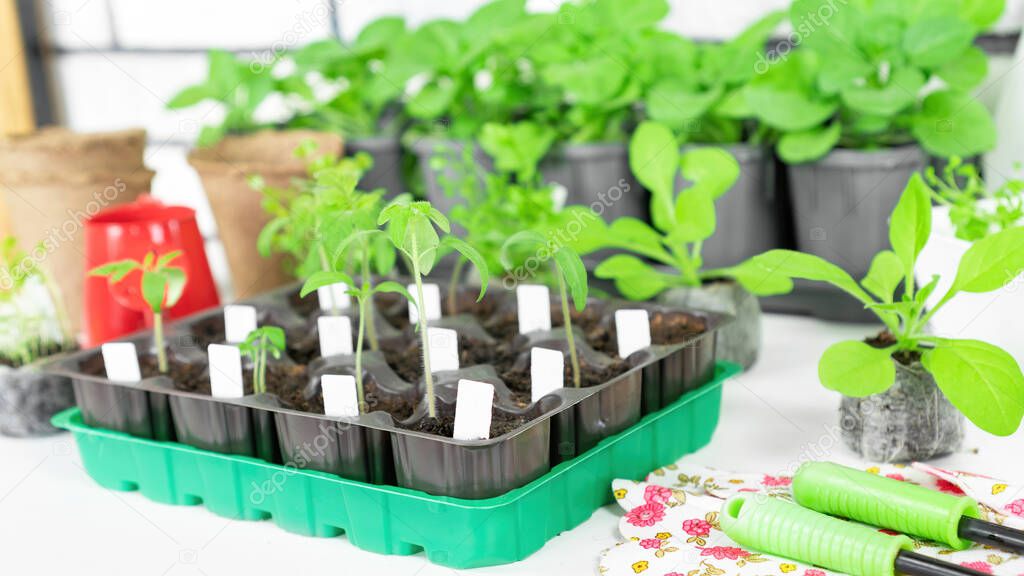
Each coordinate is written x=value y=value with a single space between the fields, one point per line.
x=387 y=163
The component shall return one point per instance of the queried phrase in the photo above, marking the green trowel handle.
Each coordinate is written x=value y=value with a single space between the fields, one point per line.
x=781 y=528
x=883 y=502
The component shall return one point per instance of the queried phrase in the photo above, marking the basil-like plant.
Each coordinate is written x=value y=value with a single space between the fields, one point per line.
x=879 y=74
x=975 y=210
x=572 y=279
x=258 y=344
x=411 y=228
x=363 y=293
x=981 y=380
x=682 y=220
x=29 y=328
x=161 y=286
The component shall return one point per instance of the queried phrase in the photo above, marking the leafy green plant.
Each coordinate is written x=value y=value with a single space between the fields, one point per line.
x=571 y=275
x=240 y=87
x=981 y=380
x=411 y=228
x=682 y=220
x=975 y=210
x=258 y=344
x=160 y=285
x=363 y=293
x=879 y=74
x=29 y=331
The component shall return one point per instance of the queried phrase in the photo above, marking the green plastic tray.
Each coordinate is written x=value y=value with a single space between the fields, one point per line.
x=391 y=520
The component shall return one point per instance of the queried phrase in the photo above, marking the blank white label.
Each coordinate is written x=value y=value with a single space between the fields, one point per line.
x=335 y=335
x=533 y=306
x=340 y=398
x=333 y=297
x=443 y=346
x=633 y=331
x=473 y=410
x=225 y=371
x=432 y=295
x=239 y=321
x=547 y=372
x=121 y=361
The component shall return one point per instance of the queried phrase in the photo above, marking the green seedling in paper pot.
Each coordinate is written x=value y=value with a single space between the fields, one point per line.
x=981 y=380
x=160 y=286
x=261 y=342
x=413 y=229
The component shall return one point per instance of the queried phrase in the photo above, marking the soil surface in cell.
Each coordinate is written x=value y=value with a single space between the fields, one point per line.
x=444 y=424
x=884 y=339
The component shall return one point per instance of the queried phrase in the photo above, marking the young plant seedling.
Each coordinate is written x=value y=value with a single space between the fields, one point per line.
x=363 y=293
x=411 y=228
x=29 y=331
x=572 y=279
x=983 y=381
x=975 y=210
x=261 y=342
x=682 y=219
x=161 y=286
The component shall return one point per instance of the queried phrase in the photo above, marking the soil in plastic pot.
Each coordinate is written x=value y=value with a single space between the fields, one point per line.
x=49 y=207
x=842 y=203
x=387 y=163
x=225 y=169
x=740 y=340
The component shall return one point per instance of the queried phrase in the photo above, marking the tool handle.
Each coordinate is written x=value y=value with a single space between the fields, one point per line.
x=884 y=502
x=785 y=529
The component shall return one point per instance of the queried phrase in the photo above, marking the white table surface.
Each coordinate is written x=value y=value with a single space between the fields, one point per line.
x=55 y=520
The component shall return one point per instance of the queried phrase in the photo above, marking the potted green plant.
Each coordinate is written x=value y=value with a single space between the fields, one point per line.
x=241 y=145
x=682 y=220
x=859 y=106
x=698 y=90
x=904 y=390
x=33 y=327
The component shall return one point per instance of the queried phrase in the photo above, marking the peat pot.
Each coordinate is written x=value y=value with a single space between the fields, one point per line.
x=738 y=341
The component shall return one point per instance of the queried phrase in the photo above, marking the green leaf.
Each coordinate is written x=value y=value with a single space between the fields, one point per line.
x=433 y=100
x=574 y=273
x=900 y=94
x=473 y=256
x=395 y=288
x=176 y=281
x=884 y=276
x=789 y=110
x=695 y=216
x=966 y=71
x=982 y=13
x=115 y=271
x=635 y=235
x=991 y=263
x=792 y=264
x=856 y=369
x=168 y=258
x=710 y=168
x=932 y=42
x=154 y=288
x=517 y=148
x=982 y=381
x=753 y=278
x=190 y=97
x=954 y=124
x=634 y=278
x=275 y=337
x=324 y=278
x=809 y=145
x=654 y=160
x=911 y=223
x=674 y=103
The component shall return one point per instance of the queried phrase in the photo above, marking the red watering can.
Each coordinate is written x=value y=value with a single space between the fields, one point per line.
x=131 y=231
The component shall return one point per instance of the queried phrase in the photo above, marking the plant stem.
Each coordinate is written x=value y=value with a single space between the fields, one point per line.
x=261 y=367
x=453 y=285
x=569 y=336
x=58 y=308
x=359 y=355
x=421 y=318
x=326 y=266
x=371 y=325
x=158 y=335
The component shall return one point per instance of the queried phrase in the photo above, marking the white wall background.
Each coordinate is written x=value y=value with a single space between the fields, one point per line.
x=118 y=62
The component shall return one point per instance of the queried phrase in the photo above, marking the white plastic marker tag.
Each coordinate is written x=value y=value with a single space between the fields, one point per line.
x=432 y=294
x=533 y=305
x=340 y=398
x=239 y=321
x=121 y=360
x=225 y=371
x=473 y=410
x=547 y=372
x=633 y=331
x=443 y=346
x=333 y=296
x=335 y=335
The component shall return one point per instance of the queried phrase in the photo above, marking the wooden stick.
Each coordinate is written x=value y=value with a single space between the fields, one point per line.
x=16 y=113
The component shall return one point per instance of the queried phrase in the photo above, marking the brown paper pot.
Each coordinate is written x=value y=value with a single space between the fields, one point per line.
x=53 y=181
x=225 y=169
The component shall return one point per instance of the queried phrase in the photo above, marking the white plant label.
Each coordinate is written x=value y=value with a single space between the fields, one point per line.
x=533 y=306
x=443 y=347
x=432 y=295
x=333 y=297
x=632 y=330
x=121 y=360
x=239 y=321
x=225 y=371
x=340 y=398
x=473 y=410
x=547 y=372
x=335 y=335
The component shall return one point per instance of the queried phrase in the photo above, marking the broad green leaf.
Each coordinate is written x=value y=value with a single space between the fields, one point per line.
x=911 y=223
x=654 y=160
x=857 y=369
x=154 y=287
x=636 y=236
x=982 y=13
x=898 y=95
x=190 y=97
x=808 y=145
x=275 y=337
x=753 y=278
x=789 y=110
x=517 y=148
x=884 y=276
x=421 y=242
x=982 y=381
x=966 y=71
x=991 y=263
x=932 y=42
x=433 y=100
x=395 y=288
x=324 y=278
x=176 y=281
x=792 y=264
x=695 y=216
x=954 y=124
x=592 y=81
x=674 y=103
x=634 y=278
x=712 y=169
x=473 y=256
x=378 y=34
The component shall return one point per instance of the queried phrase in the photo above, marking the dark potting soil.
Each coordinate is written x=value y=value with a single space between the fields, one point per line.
x=518 y=379
x=503 y=324
x=666 y=328
x=466 y=303
x=303 y=306
x=177 y=370
x=444 y=424
x=294 y=397
x=408 y=361
x=884 y=339
x=280 y=377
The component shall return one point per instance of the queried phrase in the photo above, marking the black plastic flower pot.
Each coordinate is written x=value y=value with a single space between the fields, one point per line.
x=598 y=176
x=30 y=397
x=443 y=160
x=212 y=424
x=387 y=163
